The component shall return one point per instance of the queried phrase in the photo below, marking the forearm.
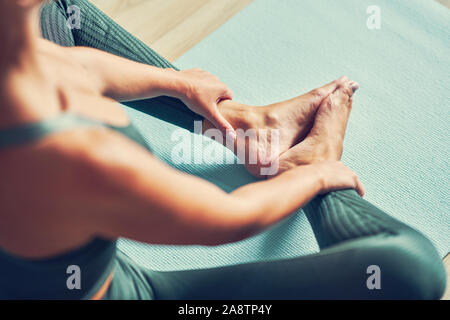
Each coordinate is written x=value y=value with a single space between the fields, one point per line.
x=208 y=216
x=203 y=214
x=125 y=80
x=138 y=197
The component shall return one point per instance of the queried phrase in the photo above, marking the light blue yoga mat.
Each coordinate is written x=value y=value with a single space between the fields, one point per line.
x=398 y=135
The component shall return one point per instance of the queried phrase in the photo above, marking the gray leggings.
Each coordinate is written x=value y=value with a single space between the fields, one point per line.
x=356 y=239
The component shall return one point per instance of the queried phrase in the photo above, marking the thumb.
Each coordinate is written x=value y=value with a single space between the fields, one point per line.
x=223 y=125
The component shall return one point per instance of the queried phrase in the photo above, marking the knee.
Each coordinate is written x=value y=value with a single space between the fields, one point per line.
x=411 y=268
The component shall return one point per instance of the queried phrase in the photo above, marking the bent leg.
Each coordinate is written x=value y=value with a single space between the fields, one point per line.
x=96 y=30
x=99 y=31
x=353 y=235
x=409 y=263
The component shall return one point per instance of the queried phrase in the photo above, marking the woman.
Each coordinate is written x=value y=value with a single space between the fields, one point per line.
x=76 y=175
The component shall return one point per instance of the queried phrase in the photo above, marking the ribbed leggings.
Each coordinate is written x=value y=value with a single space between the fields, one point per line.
x=364 y=252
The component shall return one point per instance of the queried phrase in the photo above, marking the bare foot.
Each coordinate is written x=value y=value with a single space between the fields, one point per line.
x=325 y=141
x=276 y=127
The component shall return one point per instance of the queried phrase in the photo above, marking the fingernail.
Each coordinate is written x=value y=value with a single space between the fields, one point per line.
x=355 y=86
x=231 y=135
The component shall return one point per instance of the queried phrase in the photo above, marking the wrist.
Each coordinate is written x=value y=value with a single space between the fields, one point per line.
x=319 y=177
x=179 y=85
x=311 y=174
x=166 y=82
x=315 y=170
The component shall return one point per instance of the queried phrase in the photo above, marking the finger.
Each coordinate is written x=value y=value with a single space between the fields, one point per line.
x=223 y=125
x=359 y=187
x=228 y=94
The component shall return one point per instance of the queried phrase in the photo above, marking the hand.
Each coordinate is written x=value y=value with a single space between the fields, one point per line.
x=334 y=175
x=204 y=91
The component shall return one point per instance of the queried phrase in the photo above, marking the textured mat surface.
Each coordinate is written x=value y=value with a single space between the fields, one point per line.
x=398 y=135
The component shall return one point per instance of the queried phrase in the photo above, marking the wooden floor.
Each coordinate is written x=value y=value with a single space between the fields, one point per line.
x=447 y=267
x=172 y=27
x=445 y=3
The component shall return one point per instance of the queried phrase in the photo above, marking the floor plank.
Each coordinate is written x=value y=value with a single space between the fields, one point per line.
x=445 y=3
x=204 y=21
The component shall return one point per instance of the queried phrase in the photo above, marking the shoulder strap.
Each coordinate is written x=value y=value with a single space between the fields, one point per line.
x=35 y=131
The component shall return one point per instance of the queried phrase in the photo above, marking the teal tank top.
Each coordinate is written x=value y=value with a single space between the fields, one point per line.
x=48 y=278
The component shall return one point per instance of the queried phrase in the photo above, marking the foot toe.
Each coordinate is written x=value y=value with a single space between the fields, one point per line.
x=342 y=95
x=321 y=93
x=342 y=80
x=349 y=87
x=354 y=85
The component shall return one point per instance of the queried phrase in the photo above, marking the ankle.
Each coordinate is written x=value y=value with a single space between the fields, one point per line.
x=329 y=150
